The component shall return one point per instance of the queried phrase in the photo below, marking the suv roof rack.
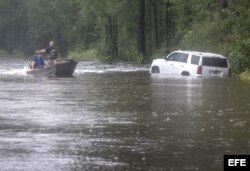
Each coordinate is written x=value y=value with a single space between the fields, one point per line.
x=201 y=53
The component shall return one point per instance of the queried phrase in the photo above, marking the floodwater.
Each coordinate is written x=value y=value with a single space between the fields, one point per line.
x=118 y=117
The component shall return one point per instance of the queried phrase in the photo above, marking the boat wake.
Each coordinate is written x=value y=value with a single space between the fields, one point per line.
x=95 y=67
x=15 y=71
x=81 y=68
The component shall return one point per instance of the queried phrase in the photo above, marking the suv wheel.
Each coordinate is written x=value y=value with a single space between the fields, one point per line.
x=155 y=70
x=185 y=73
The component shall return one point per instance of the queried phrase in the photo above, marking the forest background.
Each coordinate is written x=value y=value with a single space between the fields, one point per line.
x=127 y=30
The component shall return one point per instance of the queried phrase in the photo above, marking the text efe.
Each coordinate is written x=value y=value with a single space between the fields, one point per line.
x=236 y=162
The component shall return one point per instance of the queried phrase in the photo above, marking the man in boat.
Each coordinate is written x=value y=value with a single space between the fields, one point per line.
x=38 y=62
x=51 y=52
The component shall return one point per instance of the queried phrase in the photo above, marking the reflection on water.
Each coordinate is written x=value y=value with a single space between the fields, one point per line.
x=111 y=117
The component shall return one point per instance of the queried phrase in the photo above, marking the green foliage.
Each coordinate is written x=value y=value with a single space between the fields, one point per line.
x=239 y=57
x=3 y=53
x=109 y=29
x=90 y=54
x=245 y=75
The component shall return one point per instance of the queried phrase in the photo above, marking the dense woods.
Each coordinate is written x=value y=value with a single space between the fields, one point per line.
x=127 y=30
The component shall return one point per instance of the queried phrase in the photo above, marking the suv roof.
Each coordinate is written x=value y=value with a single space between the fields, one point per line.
x=202 y=53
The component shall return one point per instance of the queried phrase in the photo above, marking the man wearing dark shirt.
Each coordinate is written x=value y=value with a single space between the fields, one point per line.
x=51 y=53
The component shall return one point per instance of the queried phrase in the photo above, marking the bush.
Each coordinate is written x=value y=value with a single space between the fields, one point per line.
x=238 y=59
x=245 y=75
x=91 y=54
x=3 y=53
x=18 y=53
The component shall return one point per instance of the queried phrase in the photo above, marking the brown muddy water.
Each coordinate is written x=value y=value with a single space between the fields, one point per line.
x=118 y=117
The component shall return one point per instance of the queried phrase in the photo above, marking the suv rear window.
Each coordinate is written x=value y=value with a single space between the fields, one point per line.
x=214 y=62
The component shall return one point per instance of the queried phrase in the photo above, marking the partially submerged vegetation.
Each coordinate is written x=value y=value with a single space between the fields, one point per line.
x=245 y=75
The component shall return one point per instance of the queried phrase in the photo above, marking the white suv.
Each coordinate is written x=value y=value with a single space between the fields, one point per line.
x=192 y=63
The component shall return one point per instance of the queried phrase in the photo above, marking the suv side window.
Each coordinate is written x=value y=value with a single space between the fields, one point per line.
x=183 y=57
x=173 y=57
x=195 y=59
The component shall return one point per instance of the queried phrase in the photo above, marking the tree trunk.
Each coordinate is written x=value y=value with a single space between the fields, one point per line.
x=223 y=6
x=154 y=4
x=113 y=36
x=141 y=30
x=156 y=25
x=115 y=40
x=167 y=23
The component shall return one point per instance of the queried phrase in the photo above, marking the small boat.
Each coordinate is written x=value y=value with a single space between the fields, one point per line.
x=65 y=68
x=61 y=68
x=47 y=71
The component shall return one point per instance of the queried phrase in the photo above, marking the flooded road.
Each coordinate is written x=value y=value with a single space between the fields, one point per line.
x=118 y=117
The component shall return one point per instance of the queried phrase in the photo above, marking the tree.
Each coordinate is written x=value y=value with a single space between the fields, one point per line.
x=168 y=23
x=141 y=30
x=154 y=4
x=128 y=30
x=13 y=25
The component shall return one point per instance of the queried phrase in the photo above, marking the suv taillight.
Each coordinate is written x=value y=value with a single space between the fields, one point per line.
x=199 y=70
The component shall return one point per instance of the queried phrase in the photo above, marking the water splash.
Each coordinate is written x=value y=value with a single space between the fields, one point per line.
x=98 y=67
x=15 y=71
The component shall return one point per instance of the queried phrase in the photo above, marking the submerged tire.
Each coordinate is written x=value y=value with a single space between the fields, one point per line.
x=155 y=70
x=185 y=73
